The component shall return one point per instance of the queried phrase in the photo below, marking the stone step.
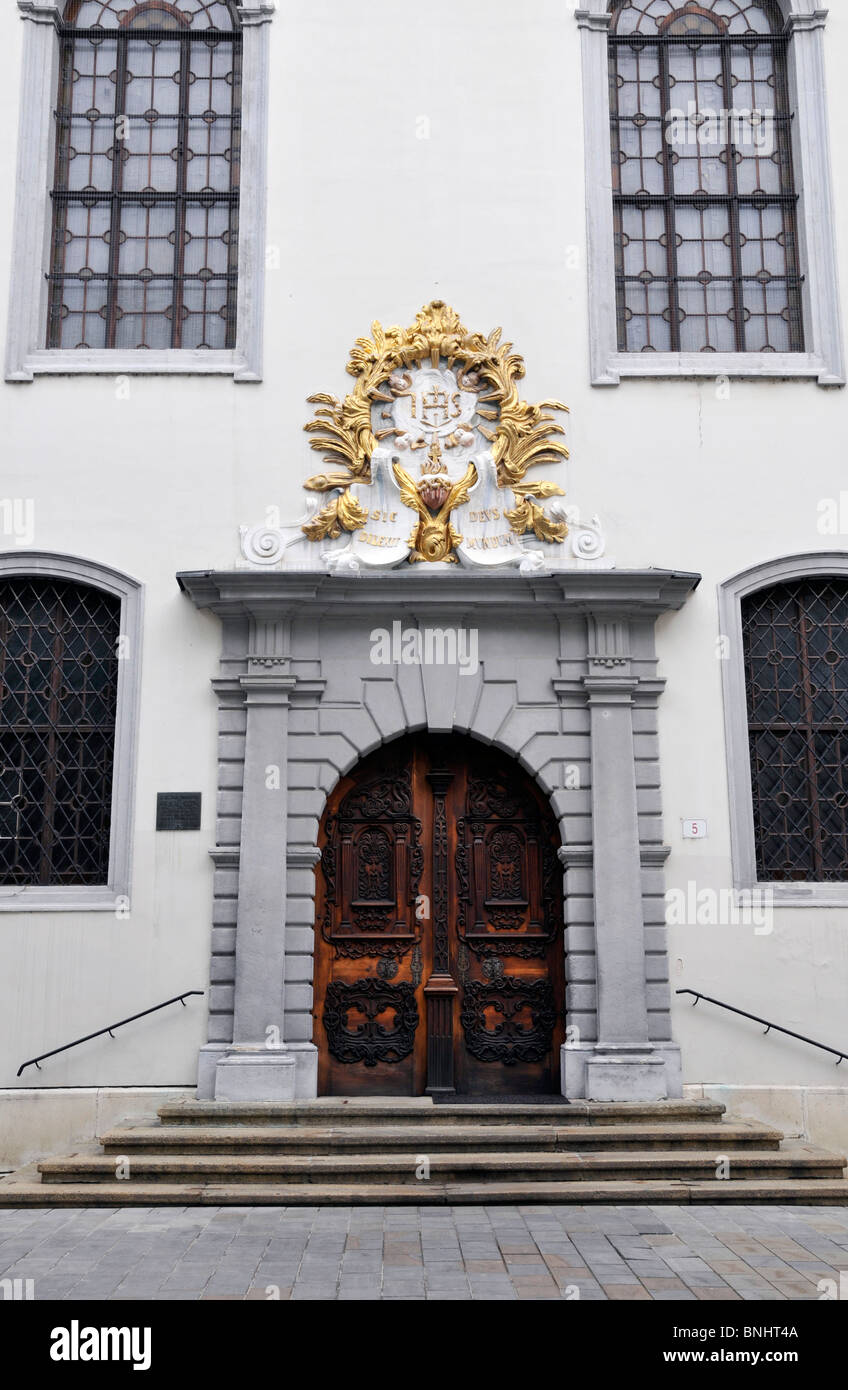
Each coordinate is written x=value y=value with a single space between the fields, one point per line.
x=404 y=1168
x=420 y=1110
x=432 y=1138
x=24 y=1193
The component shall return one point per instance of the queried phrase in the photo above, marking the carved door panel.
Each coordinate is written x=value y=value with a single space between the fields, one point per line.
x=438 y=962
x=509 y=932
x=370 y=949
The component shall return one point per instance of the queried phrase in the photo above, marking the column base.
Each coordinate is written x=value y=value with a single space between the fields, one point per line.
x=255 y=1075
x=635 y=1077
x=609 y=1074
x=229 y=1072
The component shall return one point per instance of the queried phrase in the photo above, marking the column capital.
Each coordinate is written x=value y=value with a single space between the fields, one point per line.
x=608 y=644
x=269 y=643
x=610 y=689
x=267 y=687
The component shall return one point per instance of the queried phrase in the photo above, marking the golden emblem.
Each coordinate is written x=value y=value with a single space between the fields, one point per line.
x=448 y=389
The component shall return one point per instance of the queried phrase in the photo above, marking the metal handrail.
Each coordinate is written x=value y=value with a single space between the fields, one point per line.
x=177 y=999
x=777 y=1027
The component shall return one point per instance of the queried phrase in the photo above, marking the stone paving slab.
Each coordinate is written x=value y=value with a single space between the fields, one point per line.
x=607 y=1253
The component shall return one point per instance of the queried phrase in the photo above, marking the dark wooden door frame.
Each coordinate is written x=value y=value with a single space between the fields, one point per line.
x=453 y=969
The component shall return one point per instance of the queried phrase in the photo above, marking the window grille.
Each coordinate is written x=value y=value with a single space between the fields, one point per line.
x=706 y=242
x=795 y=641
x=58 y=697
x=144 y=250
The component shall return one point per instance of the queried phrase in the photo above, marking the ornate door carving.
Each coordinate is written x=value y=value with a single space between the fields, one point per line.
x=439 y=932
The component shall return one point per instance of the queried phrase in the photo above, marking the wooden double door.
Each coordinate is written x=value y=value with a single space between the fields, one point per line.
x=439 y=931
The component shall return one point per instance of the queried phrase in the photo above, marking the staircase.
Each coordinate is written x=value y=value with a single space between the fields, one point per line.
x=413 y=1152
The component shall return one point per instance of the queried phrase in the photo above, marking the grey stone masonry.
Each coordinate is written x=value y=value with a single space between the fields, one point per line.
x=560 y=672
x=576 y=1253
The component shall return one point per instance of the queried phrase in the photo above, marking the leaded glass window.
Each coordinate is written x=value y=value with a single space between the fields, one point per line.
x=795 y=640
x=58 y=698
x=146 y=188
x=706 y=239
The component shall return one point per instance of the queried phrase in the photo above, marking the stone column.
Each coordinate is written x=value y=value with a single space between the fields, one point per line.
x=622 y=1065
x=258 y=1066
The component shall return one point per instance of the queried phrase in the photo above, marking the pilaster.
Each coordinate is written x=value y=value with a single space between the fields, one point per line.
x=258 y=1065
x=621 y=1064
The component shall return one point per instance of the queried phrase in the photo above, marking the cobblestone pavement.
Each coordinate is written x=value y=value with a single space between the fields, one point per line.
x=532 y=1252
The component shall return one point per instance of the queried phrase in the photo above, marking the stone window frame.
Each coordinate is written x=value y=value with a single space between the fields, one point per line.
x=26 y=356
x=740 y=788
x=115 y=893
x=824 y=360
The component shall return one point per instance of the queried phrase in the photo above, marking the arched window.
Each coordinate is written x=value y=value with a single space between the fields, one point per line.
x=70 y=649
x=58 y=702
x=795 y=644
x=706 y=240
x=144 y=246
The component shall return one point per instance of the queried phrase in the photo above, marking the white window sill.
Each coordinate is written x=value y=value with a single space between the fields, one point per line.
x=70 y=899
x=796 y=894
x=191 y=362
x=776 y=365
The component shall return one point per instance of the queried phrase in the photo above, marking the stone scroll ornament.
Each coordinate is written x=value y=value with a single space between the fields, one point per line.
x=432 y=458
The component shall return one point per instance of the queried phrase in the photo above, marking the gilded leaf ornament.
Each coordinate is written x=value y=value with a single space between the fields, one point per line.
x=447 y=400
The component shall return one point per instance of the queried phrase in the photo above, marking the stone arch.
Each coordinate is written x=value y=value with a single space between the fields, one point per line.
x=537 y=768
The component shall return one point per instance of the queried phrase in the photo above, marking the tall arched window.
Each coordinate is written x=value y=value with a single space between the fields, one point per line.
x=70 y=667
x=58 y=701
x=795 y=645
x=706 y=241
x=144 y=247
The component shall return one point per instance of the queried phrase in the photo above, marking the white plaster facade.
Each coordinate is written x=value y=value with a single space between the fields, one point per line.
x=434 y=153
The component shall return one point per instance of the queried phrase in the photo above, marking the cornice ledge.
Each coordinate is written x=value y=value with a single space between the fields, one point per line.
x=231 y=592
x=628 y=591
x=248 y=593
x=271 y=680
x=801 y=23
x=225 y=856
x=302 y=856
x=226 y=685
x=654 y=856
x=592 y=19
x=609 y=689
x=575 y=856
x=261 y=13
x=582 y=856
x=308 y=690
x=39 y=12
